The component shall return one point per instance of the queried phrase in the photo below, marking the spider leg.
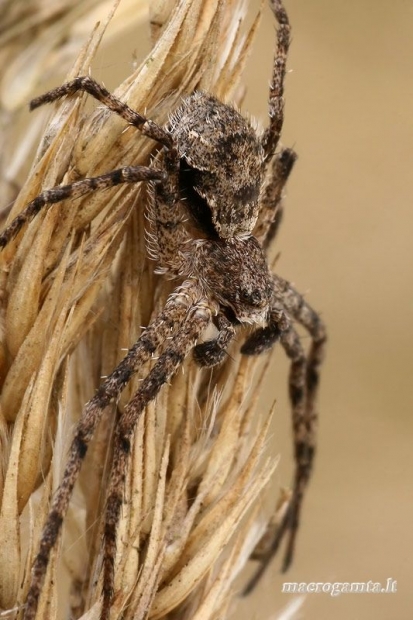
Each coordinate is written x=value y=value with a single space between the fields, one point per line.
x=166 y=323
x=271 y=210
x=213 y=352
x=303 y=435
x=304 y=376
x=167 y=237
x=127 y=174
x=197 y=319
x=272 y=134
x=99 y=92
x=311 y=321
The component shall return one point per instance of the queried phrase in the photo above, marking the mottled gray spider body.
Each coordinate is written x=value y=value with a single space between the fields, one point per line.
x=209 y=220
x=206 y=131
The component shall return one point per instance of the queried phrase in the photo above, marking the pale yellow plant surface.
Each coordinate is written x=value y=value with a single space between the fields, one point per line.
x=76 y=287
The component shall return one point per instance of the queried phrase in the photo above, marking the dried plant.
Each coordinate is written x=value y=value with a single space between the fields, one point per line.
x=39 y=39
x=76 y=290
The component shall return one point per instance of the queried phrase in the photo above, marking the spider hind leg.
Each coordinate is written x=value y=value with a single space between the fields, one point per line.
x=303 y=384
x=196 y=320
x=127 y=174
x=88 y=85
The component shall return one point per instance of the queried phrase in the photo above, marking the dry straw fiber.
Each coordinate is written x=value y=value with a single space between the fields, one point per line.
x=76 y=288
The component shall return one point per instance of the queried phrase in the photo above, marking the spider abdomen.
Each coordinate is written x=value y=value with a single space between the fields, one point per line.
x=221 y=164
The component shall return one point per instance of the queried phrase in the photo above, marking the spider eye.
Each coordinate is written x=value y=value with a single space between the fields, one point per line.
x=252 y=298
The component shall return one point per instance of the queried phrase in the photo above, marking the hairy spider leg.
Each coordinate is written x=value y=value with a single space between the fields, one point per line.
x=271 y=211
x=272 y=134
x=124 y=175
x=127 y=174
x=197 y=319
x=303 y=385
x=154 y=335
x=97 y=91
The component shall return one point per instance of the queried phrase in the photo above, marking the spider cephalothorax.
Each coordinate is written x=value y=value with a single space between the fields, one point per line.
x=237 y=273
x=210 y=215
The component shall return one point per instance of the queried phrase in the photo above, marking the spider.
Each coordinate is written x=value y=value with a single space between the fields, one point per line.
x=211 y=169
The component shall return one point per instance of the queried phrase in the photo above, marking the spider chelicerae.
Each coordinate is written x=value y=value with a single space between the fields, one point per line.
x=215 y=190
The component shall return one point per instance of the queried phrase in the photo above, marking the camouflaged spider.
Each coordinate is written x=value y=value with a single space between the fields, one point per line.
x=211 y=170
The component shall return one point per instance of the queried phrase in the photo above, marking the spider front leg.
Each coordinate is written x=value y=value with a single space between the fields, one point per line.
x=196 y=320
x=153 y=336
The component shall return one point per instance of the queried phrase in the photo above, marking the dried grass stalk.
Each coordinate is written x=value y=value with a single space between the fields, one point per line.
x=76 y=287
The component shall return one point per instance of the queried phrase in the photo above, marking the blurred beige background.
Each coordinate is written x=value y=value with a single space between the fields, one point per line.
x=345 y=241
